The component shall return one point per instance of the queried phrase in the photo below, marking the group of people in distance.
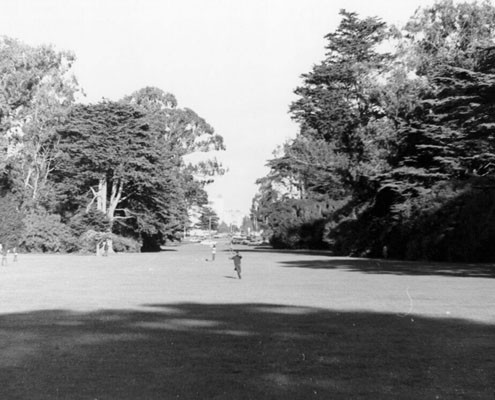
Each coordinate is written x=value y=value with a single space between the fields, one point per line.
x=4 y=250
x=236 y=258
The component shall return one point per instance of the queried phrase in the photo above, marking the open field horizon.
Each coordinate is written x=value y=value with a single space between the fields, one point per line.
x=298 y=325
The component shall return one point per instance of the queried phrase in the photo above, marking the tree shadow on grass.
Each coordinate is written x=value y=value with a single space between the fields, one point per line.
x=269 y=249
x=375 y=266
x=381 y=266
x=243 y=351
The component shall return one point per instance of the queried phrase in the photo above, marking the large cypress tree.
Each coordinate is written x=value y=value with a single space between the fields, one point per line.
x=109 y=159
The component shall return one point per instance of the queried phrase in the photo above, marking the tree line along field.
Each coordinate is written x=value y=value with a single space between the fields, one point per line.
x=395 y=149
x=395 y=146
x=298 y=325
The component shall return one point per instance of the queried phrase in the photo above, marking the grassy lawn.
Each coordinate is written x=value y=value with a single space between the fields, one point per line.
x=297 y=326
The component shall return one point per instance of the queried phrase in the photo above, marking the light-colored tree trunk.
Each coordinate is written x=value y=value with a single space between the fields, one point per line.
x=101 y=199
x=107 y=206
x=115 y=198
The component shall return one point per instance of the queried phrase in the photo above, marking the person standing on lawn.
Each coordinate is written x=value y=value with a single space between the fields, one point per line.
x=213 y=251
x=237 y=263
x=4 y=254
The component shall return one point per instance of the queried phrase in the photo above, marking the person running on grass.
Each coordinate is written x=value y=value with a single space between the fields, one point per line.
x=237 y=263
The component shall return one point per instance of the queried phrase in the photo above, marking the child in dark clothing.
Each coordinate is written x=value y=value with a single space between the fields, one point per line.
x=237 y=263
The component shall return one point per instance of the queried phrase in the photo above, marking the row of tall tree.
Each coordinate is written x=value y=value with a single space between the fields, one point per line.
x=396 y=143
x=75 y=175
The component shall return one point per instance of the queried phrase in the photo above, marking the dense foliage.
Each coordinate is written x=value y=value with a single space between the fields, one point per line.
x=74 y=176
x=395 y=147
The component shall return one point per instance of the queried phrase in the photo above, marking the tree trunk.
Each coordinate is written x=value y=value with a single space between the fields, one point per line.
x=101 y=201
x=107 y=207
x=115 y=196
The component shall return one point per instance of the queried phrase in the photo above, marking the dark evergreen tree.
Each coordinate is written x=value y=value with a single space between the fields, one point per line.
x=393 y=150
x=340 y=149
x=109 y=159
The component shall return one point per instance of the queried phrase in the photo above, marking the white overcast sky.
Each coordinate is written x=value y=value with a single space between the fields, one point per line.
x=235 y=62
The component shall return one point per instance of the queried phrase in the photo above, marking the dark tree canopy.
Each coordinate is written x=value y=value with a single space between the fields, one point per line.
x=78 y=174
x=109 y=150
x=394 y=148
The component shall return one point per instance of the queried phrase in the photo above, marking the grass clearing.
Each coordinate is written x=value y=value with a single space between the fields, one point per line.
x=297 y=326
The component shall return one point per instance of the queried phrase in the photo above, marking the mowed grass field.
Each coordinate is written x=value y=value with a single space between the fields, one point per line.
x=299 y=325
